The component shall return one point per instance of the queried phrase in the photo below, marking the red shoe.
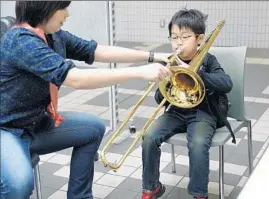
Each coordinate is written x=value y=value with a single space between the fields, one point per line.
x=158 y=192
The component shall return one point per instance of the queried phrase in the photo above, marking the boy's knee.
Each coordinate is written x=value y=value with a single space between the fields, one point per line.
x=150 y=138
x=199 y=143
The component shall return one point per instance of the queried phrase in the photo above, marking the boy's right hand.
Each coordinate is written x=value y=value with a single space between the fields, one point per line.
x=154 y=72
x=181 y=63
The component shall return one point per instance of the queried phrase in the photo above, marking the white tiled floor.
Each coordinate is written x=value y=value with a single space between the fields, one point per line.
x=60 y=159
x=242 y=182
x=234 y=169
x=47 y=156
x=258 y=137
x=110 y=180
x=137 y=174
x=100 y=191
x=63 y=172
x=257 y=185
x=266 y=90
x=58 y=195
x=213 y=187
x=123 y=171
x=170 y=179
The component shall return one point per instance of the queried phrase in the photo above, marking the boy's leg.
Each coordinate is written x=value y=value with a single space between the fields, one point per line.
x=162 y=129
x=17 y=180
x=200 y=131
x=82 y=131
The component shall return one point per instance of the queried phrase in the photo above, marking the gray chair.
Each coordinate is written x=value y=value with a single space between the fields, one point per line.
x=5 y=24
x=232 y=60
x=34 y=161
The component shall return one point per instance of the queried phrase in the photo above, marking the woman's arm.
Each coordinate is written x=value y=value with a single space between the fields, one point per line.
x=89 y=51
x=117 y=54
x=98 y=78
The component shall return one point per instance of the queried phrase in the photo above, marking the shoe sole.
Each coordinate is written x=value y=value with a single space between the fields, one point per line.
x=160 y=193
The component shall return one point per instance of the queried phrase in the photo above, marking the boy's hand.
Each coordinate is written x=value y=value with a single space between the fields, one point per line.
x=181 y=63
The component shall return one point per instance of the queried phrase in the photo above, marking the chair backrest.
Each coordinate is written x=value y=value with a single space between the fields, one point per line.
x=232 y=59
x=6 y=24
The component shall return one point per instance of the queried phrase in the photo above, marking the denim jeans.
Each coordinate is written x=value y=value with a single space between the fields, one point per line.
x=82 y=131
x=200 y=127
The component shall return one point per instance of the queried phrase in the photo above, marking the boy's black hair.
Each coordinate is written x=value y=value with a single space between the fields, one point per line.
x=37 y=12
x=191 y=19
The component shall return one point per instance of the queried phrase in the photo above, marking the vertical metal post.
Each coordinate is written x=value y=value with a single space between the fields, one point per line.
x=37 y=182
x=113 y=91
x=173 y=158
x=221 y=172
x=250 y=152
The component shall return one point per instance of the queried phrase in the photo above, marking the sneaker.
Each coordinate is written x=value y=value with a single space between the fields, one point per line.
x=158 y=192
x=200 y=198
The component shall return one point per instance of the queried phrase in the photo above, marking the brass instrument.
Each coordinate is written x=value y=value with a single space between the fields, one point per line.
x=184 y=89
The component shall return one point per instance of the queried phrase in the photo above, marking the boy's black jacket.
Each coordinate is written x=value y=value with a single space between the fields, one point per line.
x=217 y=84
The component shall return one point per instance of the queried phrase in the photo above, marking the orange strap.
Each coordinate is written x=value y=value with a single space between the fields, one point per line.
x=53 y=106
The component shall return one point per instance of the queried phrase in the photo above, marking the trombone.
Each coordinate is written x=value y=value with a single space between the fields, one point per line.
x=184 y=88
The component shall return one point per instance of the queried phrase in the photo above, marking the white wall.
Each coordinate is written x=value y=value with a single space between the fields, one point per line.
x=88 y=19
x=7 y=8
x=137 y=21
x=247 y=22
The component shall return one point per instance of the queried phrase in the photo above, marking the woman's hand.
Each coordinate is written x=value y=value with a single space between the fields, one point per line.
x=154 y=72
x=161 y=57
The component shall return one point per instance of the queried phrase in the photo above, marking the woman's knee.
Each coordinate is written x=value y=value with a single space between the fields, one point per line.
x=17 y=186
x=16 y=172
x=97 y=124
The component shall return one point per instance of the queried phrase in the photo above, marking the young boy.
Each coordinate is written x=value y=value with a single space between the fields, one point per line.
x=186 y=32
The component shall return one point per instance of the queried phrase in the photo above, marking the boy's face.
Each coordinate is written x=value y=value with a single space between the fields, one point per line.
x=186 y=40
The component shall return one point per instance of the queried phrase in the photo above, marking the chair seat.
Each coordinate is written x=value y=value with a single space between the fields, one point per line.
x=34 y=159
x=221 y=136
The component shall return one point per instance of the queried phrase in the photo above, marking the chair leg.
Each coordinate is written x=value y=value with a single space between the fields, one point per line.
x=250 y=153
x=221 y=172
x=173 y=158
x=37 y=182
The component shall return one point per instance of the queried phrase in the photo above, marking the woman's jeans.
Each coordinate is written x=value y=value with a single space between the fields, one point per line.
x=82 y=131
x=200 y=128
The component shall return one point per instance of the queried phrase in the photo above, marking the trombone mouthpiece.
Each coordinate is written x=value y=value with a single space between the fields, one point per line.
x=178 y=51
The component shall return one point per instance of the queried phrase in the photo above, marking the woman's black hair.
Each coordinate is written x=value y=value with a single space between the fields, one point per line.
x=191 y=19
x=37 y=12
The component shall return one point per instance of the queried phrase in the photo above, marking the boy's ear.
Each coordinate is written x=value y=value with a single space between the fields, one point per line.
x=201 y=38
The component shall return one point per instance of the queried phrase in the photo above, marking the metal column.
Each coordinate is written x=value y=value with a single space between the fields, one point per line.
x=113 y=91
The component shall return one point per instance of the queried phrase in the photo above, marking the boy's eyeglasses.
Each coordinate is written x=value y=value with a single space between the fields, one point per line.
x=176 y=38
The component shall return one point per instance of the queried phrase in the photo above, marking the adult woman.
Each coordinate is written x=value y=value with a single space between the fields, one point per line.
x=33 y=67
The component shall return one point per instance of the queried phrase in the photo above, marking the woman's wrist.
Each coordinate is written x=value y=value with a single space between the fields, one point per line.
x=151 y=57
